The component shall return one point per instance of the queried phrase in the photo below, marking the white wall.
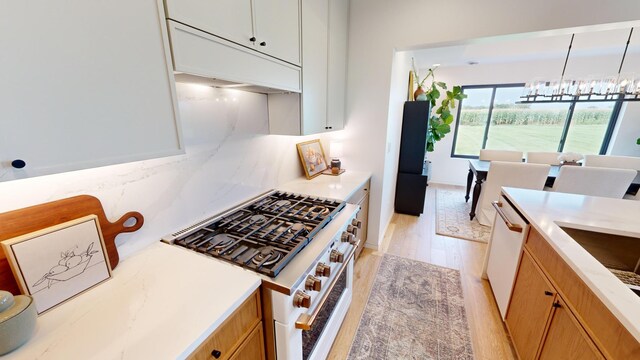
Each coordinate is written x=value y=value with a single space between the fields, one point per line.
x=448 y=170
x=229 y=158
x=379 y=27
x=627 y=132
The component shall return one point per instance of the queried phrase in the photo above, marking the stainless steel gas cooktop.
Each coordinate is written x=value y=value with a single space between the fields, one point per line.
x=263 y=234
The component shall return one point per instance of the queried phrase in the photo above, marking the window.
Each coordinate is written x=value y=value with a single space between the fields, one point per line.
x=490 y=118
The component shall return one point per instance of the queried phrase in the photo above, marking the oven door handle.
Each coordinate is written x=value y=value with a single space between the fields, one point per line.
x=305 y=321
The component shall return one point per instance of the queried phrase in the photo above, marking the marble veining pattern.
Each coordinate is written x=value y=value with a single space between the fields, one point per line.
x=229 y=158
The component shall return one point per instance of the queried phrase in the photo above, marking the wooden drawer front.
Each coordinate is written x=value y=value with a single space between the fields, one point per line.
x=613 y=340
x=253 y=347
x=233 y=330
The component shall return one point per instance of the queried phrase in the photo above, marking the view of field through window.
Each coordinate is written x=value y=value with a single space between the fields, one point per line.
x=528 y=127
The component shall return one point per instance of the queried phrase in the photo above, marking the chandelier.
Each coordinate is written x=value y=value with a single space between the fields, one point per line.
x=609 y=88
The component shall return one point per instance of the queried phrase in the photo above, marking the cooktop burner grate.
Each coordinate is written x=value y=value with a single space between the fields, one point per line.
x=265 y=234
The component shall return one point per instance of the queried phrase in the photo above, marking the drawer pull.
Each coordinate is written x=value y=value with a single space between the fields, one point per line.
x=216 y=353
x=548 y=293
x=511 y=226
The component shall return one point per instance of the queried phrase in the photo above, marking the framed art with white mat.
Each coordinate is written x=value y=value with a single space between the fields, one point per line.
x=60 y=262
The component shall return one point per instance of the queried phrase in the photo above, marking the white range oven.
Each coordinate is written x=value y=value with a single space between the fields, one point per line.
x=303 y=247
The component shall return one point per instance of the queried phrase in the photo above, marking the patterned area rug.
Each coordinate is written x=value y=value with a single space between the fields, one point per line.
x=452 y=217
x=415 y=311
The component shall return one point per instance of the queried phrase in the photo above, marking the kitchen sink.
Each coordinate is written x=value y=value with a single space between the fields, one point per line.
x=618 y=253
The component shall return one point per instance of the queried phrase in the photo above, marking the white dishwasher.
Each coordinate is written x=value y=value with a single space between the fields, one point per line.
x=504 y=251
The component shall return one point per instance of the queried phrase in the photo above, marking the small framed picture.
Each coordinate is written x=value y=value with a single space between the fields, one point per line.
x=57 y=263
x=312 y=158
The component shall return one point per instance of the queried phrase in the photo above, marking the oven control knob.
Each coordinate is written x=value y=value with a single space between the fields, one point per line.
x=352 y=229
x=336 y=256
x=323 y=269
x=347 y=237
x=357 y=223
x=312 y=283
x=301 y=299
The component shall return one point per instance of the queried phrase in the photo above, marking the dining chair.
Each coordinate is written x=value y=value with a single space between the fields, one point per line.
x=543 y=157
x=611 y=161
x=511 y=174
x=594 y=181
x=501 y=155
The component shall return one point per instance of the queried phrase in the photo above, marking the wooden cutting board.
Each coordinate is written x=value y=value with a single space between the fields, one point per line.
x=30 y=219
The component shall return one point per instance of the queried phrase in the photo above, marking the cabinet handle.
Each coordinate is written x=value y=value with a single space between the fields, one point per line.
x=18 y=164
x=252 y=39
x=216 y=353
x=557 y=304
x=548 y=293
x=264 y=43
x=513 y=227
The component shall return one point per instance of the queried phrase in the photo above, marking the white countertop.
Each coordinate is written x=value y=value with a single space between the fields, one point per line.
x=333 y=187
x=160 y=304
x=545 y=210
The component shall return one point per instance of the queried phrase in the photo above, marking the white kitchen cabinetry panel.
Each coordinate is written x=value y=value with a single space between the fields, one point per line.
x=321 y=105
x=270 y=27
x=229 y=19
x=315 y=39
x=84 y=84
x=503 y=255
x=337 y=76
x=199 y=53
x=277 y=28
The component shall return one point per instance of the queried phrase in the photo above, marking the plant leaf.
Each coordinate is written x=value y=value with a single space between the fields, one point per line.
x=448 y=120
x=442 y=85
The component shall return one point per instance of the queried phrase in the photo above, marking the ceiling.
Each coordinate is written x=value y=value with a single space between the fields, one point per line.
x=508 y=49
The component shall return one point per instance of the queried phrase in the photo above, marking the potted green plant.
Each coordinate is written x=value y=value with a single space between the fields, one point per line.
x=441 y=118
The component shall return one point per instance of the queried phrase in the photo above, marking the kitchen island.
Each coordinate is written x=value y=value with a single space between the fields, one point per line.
x=604 y=312
x=161 y=303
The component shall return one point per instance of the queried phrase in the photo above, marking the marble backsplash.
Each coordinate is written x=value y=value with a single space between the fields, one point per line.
x=230 y=157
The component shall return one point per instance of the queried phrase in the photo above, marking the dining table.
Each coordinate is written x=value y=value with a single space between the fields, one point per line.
x=478 y=169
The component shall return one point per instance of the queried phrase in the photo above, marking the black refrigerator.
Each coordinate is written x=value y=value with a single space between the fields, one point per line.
x=413 y=169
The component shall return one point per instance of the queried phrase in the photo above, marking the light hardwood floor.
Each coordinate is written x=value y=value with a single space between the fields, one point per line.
x=415 y=238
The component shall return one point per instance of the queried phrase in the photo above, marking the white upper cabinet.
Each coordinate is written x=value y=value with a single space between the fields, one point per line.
x=84 y=84
x=277 y=28
x=337 y=66
x=269 y=27
x=228 y=19
x=315 y=39
x=321 y=106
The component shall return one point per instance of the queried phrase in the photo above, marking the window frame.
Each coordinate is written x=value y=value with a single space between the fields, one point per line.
x=608 y=134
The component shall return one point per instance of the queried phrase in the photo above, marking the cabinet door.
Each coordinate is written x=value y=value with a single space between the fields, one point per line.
x=278 y=28
x=566 y=339
x=530 y=306
x=228 y=19
x=84 y=84
x=252 y=347
x=315 y=17
x=337 y=67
